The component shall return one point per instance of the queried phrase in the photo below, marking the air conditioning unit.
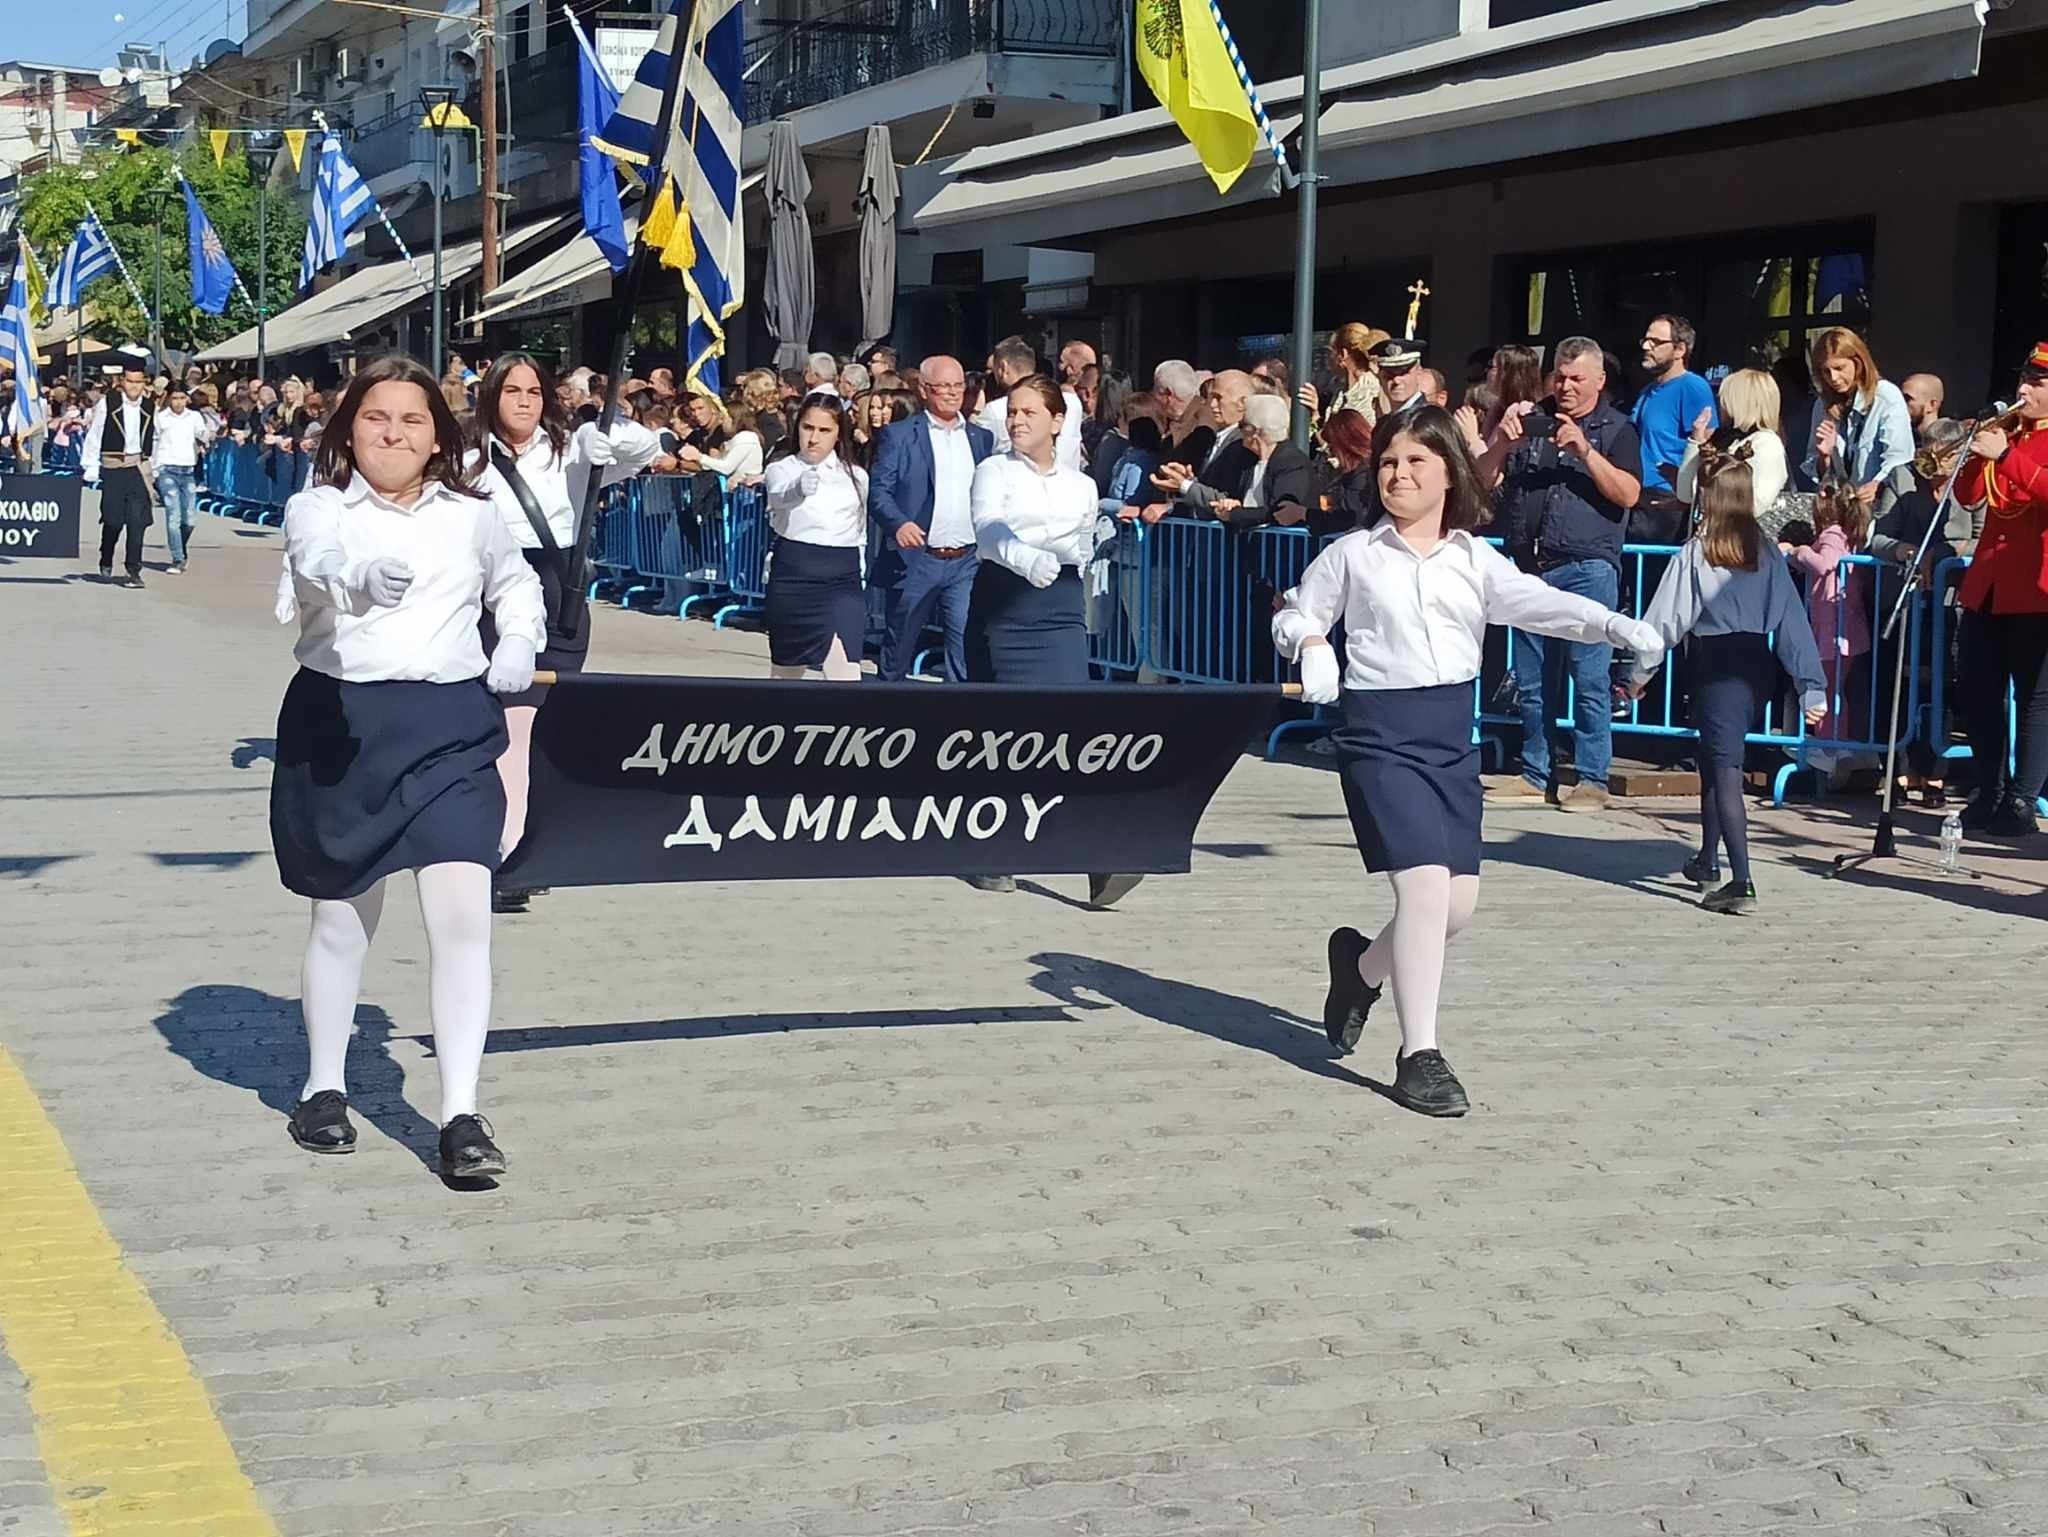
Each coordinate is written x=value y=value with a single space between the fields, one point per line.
x=351 y=64
x=321 y=57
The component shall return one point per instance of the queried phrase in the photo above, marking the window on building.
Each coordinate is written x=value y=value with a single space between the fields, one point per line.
x=1503 y=12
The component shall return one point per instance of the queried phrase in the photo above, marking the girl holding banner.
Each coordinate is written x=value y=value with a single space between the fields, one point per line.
x=818 y=507
x=390 y=734
x=535 y=473
x=1415 y=594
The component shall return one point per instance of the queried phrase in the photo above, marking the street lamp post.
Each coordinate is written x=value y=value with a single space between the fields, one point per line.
x=262 y=158
x=441 y=114
x=162 y=198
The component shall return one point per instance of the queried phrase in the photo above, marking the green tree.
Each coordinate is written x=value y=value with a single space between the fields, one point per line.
x=119 y=184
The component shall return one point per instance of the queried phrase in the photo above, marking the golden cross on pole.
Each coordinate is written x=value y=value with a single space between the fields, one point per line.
x=1418 y=291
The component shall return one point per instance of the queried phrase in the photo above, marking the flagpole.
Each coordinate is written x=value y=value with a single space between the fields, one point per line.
x=626 y=291
x=1305 y=225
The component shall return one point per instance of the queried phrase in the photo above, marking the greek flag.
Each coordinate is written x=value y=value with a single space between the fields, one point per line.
x=90 y=255
x=702 y=164
x=341 y=201
x=18 y=347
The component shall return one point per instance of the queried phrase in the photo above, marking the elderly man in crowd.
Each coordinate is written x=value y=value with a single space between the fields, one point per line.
x=1569 y=468
x=821 y=374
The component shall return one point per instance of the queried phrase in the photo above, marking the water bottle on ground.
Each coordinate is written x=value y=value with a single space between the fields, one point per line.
x=1952 y=841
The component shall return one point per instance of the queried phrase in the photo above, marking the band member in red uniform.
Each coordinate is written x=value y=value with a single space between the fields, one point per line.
x=2003 y=631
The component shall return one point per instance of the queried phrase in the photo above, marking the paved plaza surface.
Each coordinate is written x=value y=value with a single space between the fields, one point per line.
x=898 y=1207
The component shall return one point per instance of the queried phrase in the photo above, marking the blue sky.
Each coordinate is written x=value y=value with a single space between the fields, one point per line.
x=85 y=32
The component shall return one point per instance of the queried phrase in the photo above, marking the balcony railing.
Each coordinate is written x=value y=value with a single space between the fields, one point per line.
x=872 y=42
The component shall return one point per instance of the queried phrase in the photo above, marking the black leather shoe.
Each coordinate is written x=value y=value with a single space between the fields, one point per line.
x=508 y=899
x=1737 y=898
x=2013 y=819
x=467 y=1151
x=1349 y=1000
x=106 y=572
x=320 y=1124
x=1701 y=874
x=1108 y=890
x=133 y=579
x=1981 y=811
x=1424 y=1083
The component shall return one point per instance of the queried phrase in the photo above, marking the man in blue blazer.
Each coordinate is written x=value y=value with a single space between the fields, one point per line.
x=919 y=491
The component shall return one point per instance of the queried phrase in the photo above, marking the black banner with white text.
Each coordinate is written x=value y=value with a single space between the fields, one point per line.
x=681 y=779
x=39 y=516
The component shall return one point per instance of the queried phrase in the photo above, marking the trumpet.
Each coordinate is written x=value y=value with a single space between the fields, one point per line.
x=2000 y=420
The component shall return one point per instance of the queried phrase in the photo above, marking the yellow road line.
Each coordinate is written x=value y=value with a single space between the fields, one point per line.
x=128 y=1436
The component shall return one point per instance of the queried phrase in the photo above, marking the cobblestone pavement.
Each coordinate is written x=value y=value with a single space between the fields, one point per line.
x=906 y=1208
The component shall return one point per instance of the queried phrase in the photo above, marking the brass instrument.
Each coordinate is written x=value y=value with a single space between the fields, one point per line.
x=2005 y=421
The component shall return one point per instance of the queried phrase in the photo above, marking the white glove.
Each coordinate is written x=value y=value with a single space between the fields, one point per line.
x=385 y=580
x=600 y=450
x=1042 y=569
x=1322 y=680
x=1634 y=635
x=511 y=666
x=808 y=482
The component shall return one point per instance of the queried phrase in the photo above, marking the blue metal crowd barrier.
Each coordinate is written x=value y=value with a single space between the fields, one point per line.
x=250 y=482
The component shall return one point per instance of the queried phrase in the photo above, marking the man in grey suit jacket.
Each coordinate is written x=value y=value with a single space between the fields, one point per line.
x=919 y=491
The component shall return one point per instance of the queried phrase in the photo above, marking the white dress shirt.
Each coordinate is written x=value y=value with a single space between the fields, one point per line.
x=462 y=560
x=559 y=482
x=1020 y=510
x=1414 y=621
x=131 y=427
x=739 y=459
x=952 y=485
x=1067 y=451
x=835 y=514
x=181 y=438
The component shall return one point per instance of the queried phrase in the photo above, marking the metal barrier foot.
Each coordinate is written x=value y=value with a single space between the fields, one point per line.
x=732 y=610
x=1314 y=725
x=683 y=609
x=1784 y=777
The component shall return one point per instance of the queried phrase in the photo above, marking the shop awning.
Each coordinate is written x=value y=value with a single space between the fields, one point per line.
x=364 y=298
x=576 y=274
x=1601 y=74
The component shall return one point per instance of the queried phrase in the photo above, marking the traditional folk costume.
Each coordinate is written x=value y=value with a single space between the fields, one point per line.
x=118 y=446
x=1414 y=629
x=387 y=749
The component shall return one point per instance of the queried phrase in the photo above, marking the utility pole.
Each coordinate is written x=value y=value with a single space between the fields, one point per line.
x=487 y=152
x=1305 y=212
x=60 y=112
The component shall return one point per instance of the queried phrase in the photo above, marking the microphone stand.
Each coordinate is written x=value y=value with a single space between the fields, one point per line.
x=1884 y=845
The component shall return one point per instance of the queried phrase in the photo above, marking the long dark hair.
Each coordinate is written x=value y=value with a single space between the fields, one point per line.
x=827 y=405
x=1437 y=430
x=1728 y=532
x=554 y=421
x=1112 y=390
x=1518 y=375
x=335 y=462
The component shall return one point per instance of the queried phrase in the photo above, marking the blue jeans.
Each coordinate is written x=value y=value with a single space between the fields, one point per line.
x=179 y=491
x=928 y=583
x=1541 y=667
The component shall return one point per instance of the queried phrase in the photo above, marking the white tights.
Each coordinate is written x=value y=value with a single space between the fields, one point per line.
x=455 y=902
x=837 y=668
x=513 y=770
x=1432 y=907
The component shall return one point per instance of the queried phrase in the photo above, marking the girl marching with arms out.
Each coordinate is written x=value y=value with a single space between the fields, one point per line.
x=1415 y=594
x=1730 y=590
x=536 y=472
x=390 y=734
x=818 y=507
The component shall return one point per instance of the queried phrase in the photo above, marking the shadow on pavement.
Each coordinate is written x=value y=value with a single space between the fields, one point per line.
x=1648 y=865
x=1218 y=1015
x=253 y=750
x=22 y=866
x=712 y=1027
x=218 y=859
x=220 y=1030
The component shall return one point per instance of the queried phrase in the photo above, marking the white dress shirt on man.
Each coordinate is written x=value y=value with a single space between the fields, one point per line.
x=996 y=417
x=181 y=438
x=462 y=559
x=1414 y=621
x=559 y=482
x=1020 y=510
x=952 y=485
x=818 y=503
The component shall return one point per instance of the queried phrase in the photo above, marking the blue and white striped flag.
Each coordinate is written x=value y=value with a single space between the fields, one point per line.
x=702 y=162
x=18 y=347
x=341 y=201
x=90 y=255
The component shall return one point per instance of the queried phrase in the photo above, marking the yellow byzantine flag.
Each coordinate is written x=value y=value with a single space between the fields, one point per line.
x=295 y=141
x=1184 y=59
x=38 y=284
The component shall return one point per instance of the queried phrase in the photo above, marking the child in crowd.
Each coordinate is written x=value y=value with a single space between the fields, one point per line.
x=1836 y=603
x=1729 y=591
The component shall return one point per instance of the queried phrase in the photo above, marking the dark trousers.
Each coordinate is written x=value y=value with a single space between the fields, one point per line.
x=1996 y=652
x=124 y=504
x=928 y=583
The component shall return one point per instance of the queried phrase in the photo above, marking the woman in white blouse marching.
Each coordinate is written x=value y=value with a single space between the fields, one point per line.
x=1034 y=529
x=1415 y=594
x=818 y=507
x=537 y=474
x=389 y=736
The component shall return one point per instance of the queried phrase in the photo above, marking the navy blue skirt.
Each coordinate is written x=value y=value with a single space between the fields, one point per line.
x=1411 y=776
x=814 y=597
x=1017 y=633
x=1731 y=677
x=374 y=778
